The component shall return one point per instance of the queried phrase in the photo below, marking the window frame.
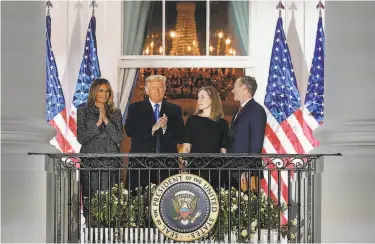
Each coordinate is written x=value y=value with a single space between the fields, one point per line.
x=207 y=61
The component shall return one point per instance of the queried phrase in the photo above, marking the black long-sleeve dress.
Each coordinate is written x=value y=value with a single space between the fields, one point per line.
x=206 y=136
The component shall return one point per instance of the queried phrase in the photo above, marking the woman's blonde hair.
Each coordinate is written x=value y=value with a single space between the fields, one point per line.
x=216 y=107
x=110 y=105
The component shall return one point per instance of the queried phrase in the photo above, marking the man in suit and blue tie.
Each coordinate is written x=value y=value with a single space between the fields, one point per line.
x=154 y=126
x=247 y=130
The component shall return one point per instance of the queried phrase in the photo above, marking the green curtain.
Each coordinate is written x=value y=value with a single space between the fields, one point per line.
x=238 y=13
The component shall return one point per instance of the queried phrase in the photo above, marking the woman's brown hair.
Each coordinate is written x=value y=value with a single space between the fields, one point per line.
x=216 y=107
x=110 y=105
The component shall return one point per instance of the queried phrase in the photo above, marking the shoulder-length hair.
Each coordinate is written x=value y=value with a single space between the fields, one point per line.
x=110 y=105
x=216 y=106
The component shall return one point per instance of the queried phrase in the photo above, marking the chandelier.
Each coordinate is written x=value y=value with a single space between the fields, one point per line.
x=184 y=41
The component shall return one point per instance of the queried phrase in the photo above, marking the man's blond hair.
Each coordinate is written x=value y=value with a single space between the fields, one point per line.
x=153 y=78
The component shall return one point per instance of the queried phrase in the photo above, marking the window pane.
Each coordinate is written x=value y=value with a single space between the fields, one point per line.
x=153 y=44
x=229 y=28
x=136 y=18
x=185 y=28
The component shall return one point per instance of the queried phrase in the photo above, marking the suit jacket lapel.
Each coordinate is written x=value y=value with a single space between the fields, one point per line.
x=247 y=106
x=234 y=116
x=163 y=108
x=149 y=109
x=239 y=114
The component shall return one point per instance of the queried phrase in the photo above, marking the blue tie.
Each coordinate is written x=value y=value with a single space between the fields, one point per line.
x=156 y=114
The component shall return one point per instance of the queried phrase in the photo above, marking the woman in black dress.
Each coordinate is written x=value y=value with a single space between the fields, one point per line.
x=206 y=131
x=99 y=130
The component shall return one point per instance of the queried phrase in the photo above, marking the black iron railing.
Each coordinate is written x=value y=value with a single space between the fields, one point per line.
x=106 y=197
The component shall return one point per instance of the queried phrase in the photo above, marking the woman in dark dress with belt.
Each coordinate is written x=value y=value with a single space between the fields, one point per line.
x=99 y=130
x=207 y=131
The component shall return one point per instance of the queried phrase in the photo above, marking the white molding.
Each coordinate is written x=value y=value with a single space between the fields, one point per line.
x=158 y=61
x=26 y=136
x=249 y=71
x=346 y=137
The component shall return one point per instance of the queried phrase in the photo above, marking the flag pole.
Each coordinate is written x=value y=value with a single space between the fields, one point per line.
x=93 y=5
x=48 y=5
x=320 y=6
x=279 y=7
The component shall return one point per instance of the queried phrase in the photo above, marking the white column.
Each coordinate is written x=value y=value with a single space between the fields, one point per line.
x=26 y=184
x=345 y=195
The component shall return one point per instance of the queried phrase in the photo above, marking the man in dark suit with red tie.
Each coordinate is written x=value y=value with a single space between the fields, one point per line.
x=247 y=130
x=154 y=125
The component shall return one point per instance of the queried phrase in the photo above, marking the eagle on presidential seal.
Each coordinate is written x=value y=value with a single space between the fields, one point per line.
x=185 y=204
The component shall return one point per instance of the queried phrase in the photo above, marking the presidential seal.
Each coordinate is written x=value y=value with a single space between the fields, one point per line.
x=184 y=207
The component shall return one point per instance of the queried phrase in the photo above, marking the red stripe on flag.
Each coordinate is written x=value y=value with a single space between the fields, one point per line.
x=273 y=170
x=307 y=131
x=63 y=114
x=274 y=174
x=274 y=196
x=59 y=136
x=283 y=187
x=73 y=125
x=272 y=137
x=292 y=136
x=61 y=139
x=278 y=146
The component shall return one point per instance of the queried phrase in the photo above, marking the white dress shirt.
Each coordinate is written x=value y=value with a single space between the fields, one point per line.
x=244 y=103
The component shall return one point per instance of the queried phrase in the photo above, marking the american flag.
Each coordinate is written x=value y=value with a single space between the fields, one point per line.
x=286 y=129
x=314 y=101
x=55 y=101
x=89 y=71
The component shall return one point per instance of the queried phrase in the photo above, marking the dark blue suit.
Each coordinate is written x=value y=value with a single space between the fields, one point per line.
x=138 y=126
x=246 y=133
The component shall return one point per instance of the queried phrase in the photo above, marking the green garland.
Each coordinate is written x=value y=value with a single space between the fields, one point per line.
x=129 y=211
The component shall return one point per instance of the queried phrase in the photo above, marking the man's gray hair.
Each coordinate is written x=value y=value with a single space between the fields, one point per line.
x=152 y=78
x=250 y=83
